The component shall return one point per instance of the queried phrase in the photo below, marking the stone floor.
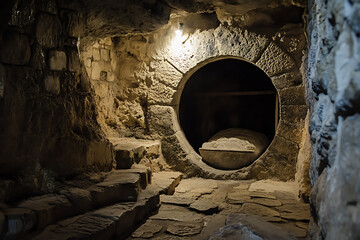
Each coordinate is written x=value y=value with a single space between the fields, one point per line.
x=200 y=207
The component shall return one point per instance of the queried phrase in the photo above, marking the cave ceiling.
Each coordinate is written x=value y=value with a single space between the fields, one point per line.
x=108 y=18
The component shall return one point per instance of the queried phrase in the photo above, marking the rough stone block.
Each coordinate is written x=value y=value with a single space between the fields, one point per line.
x=105 y=55
x=57 y=60
x=275 y=61
x=292 y=95
x=162 y=120
x=74 y=61
x=15 y=48
x=48 y=30
x=284 y=148
x=23 y=14
x=291 y=132
x=96 y=54
x=49 y=208
x=287 y=80
x=52 y=84
x=167 y=181
x=244 y=44
x=160 y=94
x=166 y=73
x=115 y=188
x=80 y=198
x=130 y=150
x=144 y=172
x=293 y=113
x=19 y=220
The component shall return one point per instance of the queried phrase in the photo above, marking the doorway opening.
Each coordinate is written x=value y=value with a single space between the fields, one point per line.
x=224 y=94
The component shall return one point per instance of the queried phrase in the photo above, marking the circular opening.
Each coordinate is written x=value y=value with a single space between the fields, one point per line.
x=225 y=94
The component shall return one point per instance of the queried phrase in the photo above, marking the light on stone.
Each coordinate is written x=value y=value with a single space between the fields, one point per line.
x=178 y=33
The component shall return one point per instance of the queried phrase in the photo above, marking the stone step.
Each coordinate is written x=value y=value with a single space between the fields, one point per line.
x=167 y=181
x=130 y=150
x=118 y=220
x=38 y=212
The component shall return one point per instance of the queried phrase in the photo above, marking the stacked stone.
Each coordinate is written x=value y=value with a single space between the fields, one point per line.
x=47 y=108
x=333 y=86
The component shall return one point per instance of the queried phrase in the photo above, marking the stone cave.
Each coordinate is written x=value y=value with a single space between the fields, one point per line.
x=171 y=119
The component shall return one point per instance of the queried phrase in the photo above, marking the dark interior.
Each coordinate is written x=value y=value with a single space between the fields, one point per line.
x=225 y=94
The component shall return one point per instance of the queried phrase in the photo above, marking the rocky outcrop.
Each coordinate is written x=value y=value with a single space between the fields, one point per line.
x=333 y=94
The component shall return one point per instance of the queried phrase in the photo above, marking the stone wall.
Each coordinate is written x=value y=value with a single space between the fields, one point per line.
x=333 y=86
x=139 y=80
x=48 y=124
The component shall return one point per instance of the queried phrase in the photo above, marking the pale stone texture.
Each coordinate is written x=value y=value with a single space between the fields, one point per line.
x=274 y=61
x=333 y=92
x=162 y=120
x=57 y=60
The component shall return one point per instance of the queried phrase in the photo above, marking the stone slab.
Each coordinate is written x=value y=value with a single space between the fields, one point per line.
x=116 y=187
x=49 y=208
x=295 y=211
x=147 y=230
x=262 y=211
x=80 y=198
x=118 y=219
x=204 y=206
x=184 y=228
x=180 y=216
x=130 y=150
x=167 y=181
x=176 y=200
x=257 y=226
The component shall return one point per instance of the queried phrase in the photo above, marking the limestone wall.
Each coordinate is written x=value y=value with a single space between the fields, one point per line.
x=333 y=85
x=139 y=80
x=48 y=124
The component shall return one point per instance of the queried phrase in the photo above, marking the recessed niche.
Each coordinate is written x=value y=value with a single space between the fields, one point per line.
x=224 y=94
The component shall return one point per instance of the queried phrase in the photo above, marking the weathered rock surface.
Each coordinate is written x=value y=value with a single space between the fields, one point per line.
x=167 y=181
x=48 y=30
x=333 y=86
x=15 y=49
x=184 y=229
x=204 y=206
x=147 y=230
x=176 y=200
x=48 y=208
x=129 y=151
x=243 y=226
x=259 y=210
x=57 y=60
x=116 y=187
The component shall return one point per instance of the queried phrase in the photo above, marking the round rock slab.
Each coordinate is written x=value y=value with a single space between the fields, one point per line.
x=184 y=228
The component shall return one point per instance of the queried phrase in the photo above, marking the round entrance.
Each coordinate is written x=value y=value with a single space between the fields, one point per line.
x=224 y=95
